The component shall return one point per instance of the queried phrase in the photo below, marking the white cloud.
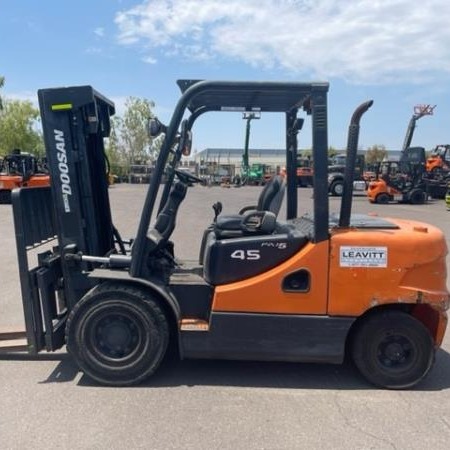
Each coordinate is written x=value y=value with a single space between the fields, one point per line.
x=149 y=60
x=372 y=41
x=93 y=50
x=99 y=31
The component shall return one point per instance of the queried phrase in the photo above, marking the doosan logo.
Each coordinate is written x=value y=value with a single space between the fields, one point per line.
x=63 y=168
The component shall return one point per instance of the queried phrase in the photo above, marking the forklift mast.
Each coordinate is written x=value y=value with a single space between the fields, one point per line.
x=74 y=212
x=75 y=120
x=419 y=112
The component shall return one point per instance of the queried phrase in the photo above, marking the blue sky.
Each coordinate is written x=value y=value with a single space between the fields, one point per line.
x=395 y=52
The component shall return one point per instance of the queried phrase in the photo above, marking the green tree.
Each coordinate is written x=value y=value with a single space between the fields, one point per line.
x=375 y=154
x=2 y=83
x=118 y=160
x=134 y=139
x=332 y=152
x=18 y=128
x=306 y=153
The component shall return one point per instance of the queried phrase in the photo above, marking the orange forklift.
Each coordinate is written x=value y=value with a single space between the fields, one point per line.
x=438 y=163
x=404 y=180
x=313 y=288
x=400 y=181
x=20 y=169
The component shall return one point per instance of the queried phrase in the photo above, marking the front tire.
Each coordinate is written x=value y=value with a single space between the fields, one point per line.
x=117 y=334
x=337 y=188
x=393 y=350
x=5 y=197
x=382 y=199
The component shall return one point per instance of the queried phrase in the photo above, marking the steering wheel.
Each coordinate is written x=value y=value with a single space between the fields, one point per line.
x=186 y=177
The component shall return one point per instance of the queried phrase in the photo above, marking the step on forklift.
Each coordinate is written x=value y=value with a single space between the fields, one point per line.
x=313 y=288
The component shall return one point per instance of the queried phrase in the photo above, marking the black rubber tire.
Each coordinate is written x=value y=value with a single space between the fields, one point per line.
x=5 y=197
x=417 y=197
x=382 y=199
x=337 y=188
x=117 y=334
x=393 y=350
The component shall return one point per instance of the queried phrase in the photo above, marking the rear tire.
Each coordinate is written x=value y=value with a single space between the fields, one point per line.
x=417 y=197
x=393 y=350
x=117 y=334
x=382 y=199
x=5 y=197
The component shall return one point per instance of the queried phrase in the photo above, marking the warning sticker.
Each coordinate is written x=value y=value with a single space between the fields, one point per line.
x=363 y=256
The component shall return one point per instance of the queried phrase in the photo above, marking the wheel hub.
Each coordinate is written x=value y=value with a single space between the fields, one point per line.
x=117 y=336
x=395 y=352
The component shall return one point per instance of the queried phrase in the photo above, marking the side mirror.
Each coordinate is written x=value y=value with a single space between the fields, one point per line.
x=298 y=124
x=155 y=127
x=187 y=144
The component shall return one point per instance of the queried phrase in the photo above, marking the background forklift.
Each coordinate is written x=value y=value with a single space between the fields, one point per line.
x=309 y=288
x=304 y=171
x=400 y=181
x=20 y=169
x=403 y=180
x=438 y=163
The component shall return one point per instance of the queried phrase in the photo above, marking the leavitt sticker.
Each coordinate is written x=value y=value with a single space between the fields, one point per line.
x=363 y=256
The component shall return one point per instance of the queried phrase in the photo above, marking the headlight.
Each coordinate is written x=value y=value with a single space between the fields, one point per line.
x=1 y=184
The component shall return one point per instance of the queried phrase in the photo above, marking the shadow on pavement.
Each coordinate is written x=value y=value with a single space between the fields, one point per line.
x=173 y=373
x=276 y=375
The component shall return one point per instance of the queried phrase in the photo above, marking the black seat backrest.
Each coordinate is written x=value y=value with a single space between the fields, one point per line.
x=271 y=196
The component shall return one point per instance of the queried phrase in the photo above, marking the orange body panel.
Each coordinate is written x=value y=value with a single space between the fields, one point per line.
x=434 y=162
x=304 y=171
x=263 y=293
x=417 y=276
x=414 y=276
x=10 y=182
x=38 y=181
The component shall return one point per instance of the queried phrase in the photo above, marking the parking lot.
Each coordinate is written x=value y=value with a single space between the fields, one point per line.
x=46 y=403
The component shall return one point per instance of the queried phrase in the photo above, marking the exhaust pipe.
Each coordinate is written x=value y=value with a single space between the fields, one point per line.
x=349 y=175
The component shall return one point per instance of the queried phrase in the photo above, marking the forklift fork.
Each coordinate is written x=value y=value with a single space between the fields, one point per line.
x=44 y=313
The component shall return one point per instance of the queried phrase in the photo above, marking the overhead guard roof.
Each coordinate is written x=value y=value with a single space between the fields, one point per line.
x=251 y=96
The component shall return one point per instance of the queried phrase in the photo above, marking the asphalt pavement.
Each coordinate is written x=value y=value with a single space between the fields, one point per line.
x=45 y=402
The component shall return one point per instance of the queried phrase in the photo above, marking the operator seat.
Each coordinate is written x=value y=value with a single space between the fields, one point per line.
x=236 y=225
x=270 y=199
